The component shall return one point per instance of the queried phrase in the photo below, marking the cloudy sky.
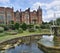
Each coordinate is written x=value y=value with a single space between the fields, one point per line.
x=49 y=7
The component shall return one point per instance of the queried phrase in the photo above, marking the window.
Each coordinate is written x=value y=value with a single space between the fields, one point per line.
x=9 y=15
x=1 y=18
x=1 y=12
x=8 y=12
x=27 y=18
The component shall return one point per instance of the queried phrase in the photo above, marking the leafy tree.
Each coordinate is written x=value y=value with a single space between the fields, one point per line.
x=45 y=26
x=58 y=21
x=51 y=22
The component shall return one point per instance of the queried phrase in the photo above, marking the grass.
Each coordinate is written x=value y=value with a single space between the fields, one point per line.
x=4 y=36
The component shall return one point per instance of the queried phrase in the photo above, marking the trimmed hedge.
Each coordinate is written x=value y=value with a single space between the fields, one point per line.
x=20 y=30
x=11 y=32
x=1 y=29
x=24 y=26
x=6 y=28
x=31 y=30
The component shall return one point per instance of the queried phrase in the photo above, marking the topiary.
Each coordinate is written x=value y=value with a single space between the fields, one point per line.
x=1 y=29
x=17 y=25
x=30 y=26
x=24 y=26
x=11 y=32
x=20 y=30
x=37 y=27
x=12 y=26
x=32 y=30
x=6 y=28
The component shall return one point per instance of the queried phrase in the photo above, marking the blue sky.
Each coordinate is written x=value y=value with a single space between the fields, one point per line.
x=49 y=7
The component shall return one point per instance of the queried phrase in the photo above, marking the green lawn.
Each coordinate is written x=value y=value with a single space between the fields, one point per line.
x=4 y=37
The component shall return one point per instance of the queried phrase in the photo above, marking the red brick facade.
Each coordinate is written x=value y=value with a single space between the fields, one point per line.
x=8 y=14
x=30 y=17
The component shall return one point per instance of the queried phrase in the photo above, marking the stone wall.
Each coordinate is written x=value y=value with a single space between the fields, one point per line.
x=48 y=49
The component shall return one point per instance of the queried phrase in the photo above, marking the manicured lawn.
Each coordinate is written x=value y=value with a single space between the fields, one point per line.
x=4 y=36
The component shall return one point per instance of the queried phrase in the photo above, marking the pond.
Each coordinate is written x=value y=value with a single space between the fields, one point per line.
x=24 y=48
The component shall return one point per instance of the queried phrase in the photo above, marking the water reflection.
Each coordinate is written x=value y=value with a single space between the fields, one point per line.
x=47 y=40
x=24 y=48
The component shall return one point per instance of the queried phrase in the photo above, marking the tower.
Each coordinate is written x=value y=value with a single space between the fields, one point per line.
x=39 y=15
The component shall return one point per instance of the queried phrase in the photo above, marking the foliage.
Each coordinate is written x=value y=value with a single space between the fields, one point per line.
x=12 y=26
x=44 y=23
x=32 y=30
x=17 y=25
x=6 y=28
x=1 y=29
x=20 y=30
x=58 y=21
x=40 y=29
x=45 y=30
x=24 y=26
x=51 y=22
x=11 y=32
x=46 y=26
x=37 y=27
x=30 y=26
x=2 y=25
x=12 y=22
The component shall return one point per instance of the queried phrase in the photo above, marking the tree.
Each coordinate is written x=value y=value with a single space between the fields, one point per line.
x=45 y=25
x=51 y=22
x=58 y=21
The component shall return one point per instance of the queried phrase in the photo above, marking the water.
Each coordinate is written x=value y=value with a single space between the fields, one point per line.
x=23 y=48
x=47 y=40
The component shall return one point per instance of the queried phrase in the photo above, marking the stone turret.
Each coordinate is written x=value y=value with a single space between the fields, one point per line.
x=39 y=14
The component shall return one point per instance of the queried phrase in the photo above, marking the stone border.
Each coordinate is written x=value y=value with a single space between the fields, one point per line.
x=23 y=36
x=15 y=40
x=48 y=49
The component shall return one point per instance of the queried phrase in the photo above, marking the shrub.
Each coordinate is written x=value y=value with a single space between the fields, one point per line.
x=20 y=30
x=6 y=28
x=37 y=27
x=2 y=25
x=24 y=26
x=12 y=27
x=45 y=30
x=17 y=25
x=40 y=29
x=11 y=32
x=30 y=26
x=11 y=22
x=45 y=26
x=32 y=30
x=1 y=29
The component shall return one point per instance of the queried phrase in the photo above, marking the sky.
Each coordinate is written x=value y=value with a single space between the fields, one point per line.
x=50 y=8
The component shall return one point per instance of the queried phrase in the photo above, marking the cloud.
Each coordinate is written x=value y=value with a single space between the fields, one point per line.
x=4 y=1
x=49 y=9
x=37 y=4
x=48 y=15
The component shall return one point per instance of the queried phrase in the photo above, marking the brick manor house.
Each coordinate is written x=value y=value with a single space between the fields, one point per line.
x=7 y=14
